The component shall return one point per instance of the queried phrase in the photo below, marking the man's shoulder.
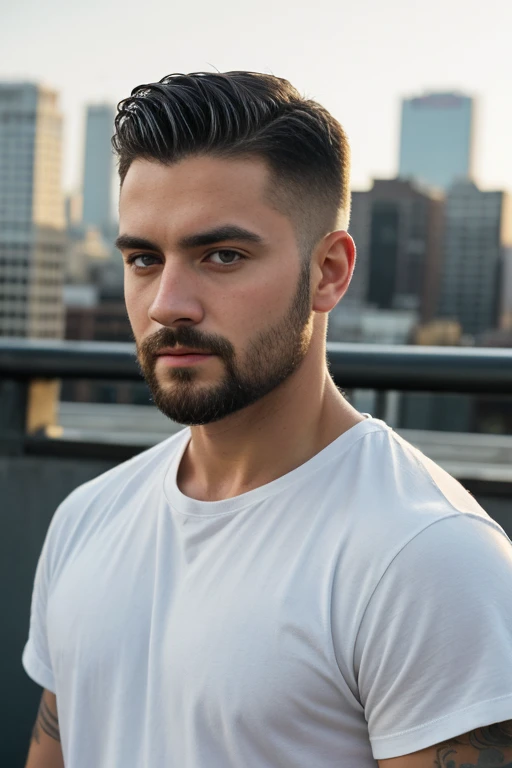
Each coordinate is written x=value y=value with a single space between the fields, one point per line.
x=398 y=493
x=144 y=466
x=437 y=484
x=118 y=488
x=403 y=474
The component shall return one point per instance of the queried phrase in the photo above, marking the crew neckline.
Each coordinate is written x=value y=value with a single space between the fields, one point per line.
x=186 y=505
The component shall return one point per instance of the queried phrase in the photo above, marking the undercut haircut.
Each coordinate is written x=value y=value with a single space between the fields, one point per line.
x=251 y=115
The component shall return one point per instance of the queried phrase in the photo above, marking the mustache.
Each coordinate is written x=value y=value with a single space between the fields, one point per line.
x=187 y=336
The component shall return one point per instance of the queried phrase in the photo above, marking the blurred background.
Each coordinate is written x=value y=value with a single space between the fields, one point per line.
x=423 y=337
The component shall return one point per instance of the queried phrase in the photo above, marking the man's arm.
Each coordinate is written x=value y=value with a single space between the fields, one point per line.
x=489 y=747
x=45 y=750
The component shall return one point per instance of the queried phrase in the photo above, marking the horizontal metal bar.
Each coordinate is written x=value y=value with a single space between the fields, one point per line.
x=428 y=369
x=365 y=366
x=67 y=359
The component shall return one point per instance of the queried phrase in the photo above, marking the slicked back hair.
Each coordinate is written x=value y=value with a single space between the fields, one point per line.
x=245 y=114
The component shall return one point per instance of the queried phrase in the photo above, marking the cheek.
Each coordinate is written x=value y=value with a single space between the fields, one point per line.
x=257 y=305
x=137 y=305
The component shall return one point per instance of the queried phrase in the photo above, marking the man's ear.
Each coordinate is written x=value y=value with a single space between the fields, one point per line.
x=332 y=268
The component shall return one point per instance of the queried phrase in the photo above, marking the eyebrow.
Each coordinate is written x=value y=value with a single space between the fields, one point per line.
x=208 y=237
x=127 y=242
x=219 y=234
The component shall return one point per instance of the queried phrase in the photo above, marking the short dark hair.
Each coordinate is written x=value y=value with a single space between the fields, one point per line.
x=245 y=114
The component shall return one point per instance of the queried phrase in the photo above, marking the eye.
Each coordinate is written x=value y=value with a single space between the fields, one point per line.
x=142 y=257
x=225 y=257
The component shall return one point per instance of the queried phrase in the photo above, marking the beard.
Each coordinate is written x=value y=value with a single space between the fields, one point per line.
x=271 y=358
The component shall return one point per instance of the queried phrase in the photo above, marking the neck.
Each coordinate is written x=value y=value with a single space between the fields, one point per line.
x=272 y=437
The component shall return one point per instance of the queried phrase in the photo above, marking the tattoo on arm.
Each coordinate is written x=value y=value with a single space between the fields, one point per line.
x=490 y=746
x=47 y=721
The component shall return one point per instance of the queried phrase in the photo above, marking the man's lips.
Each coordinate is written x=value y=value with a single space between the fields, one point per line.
x=180 y=351
x=182 y=356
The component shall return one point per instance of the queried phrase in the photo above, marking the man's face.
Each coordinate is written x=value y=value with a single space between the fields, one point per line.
x=212 y=270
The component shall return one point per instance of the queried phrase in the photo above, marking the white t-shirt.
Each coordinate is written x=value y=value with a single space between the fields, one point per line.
x=354 y=609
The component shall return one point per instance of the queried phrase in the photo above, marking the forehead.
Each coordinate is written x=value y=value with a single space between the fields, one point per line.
x=166 y=200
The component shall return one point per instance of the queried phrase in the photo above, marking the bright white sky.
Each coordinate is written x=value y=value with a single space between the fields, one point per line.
x=357 y=57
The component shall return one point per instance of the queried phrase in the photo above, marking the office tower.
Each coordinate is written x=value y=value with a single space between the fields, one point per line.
x=98 y=168
x=31 y=212
x=73 y=205
x=359 y=229
x=436 y=138
x=477 y=231
x=396 y=226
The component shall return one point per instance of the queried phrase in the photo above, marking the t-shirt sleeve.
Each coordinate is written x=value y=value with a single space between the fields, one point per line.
x=36 y=654
x=433 y=655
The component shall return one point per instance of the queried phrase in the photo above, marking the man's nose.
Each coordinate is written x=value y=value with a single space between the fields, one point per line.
x=177 y=299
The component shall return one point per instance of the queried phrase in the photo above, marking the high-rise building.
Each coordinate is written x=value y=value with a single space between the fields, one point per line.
x=359 y=228
x=98 y=168
x=31 y=212
x=478 y=228
x=436 y=139
x=397 y=228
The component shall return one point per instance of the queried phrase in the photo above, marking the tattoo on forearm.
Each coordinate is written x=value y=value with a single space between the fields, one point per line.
x=46 y=721
x=491 y=746
x=36 y=734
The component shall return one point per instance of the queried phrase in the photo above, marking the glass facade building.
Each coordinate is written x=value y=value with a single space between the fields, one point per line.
x=477 y=231
x=436 y=138
x=397 y=228
x=98 y=168
x=32 y=234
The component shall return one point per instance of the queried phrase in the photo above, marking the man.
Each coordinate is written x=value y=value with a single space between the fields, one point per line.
x=286 y=582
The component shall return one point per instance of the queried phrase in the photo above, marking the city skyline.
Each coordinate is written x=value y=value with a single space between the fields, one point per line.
x=359 y=59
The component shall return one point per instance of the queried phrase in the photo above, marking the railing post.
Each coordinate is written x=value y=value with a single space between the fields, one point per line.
x=391 y=415
x=26 y=406
x=42 y=404
x=380 y=404
x=13 y=415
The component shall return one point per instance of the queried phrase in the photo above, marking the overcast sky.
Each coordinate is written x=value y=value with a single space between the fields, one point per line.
x=357 y=57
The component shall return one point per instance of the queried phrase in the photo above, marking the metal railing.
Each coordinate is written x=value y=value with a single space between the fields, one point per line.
x=31 y=369
x=408 y=368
